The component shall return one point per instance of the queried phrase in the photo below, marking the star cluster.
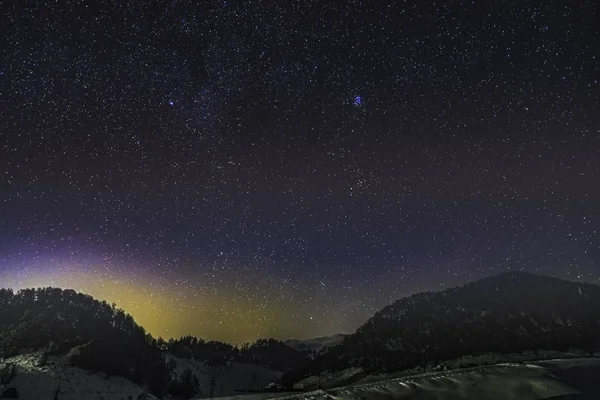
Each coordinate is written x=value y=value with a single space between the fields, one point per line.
x=242 y=169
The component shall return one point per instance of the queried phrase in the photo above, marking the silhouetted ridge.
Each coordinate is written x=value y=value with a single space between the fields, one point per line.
x=510 y=312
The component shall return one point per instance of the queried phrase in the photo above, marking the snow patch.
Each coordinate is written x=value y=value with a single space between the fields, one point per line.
x=42 y=382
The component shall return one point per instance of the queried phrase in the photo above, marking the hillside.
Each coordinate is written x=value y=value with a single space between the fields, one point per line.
x=508 y=313
x=92 y=335
x=57 y=379
x=571 y=379
x=80 y=333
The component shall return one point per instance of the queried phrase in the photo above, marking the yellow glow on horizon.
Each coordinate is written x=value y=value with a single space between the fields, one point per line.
x=170 y=310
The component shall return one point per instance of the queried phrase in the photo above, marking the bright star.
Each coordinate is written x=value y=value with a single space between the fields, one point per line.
x=357 y=101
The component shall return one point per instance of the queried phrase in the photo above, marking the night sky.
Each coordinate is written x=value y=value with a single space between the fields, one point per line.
x=245 y=169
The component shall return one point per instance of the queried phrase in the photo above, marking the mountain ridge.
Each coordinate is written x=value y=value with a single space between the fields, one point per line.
x=510 y=312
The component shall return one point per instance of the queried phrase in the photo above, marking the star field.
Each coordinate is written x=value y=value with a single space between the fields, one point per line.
x=245 y=169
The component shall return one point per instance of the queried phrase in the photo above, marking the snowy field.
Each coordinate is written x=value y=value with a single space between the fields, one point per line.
x=356 y=376
x=41 y=383
x=572 y=379
x=34 y=382
x=564 y=379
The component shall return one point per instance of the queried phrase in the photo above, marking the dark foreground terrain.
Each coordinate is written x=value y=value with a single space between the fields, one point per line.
x=575 y=379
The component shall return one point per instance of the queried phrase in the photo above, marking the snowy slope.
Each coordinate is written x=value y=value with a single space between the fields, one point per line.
x=356 y=376
x=524 y=383
x=40 y=383
x=551 y=379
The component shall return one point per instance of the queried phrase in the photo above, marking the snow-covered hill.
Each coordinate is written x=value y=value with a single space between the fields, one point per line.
x=571 y=379
x=516 y=382
x=58 y=380
x=357 y=376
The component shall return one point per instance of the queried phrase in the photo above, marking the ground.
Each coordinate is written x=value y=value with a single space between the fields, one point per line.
x=34 y=382
x=239 y=377
x=564 y=379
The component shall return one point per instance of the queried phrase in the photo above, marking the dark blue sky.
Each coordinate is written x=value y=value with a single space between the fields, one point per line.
x=222 y=147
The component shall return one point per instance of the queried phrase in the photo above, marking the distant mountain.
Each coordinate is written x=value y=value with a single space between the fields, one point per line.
x=315 y=344
x=510 y=312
